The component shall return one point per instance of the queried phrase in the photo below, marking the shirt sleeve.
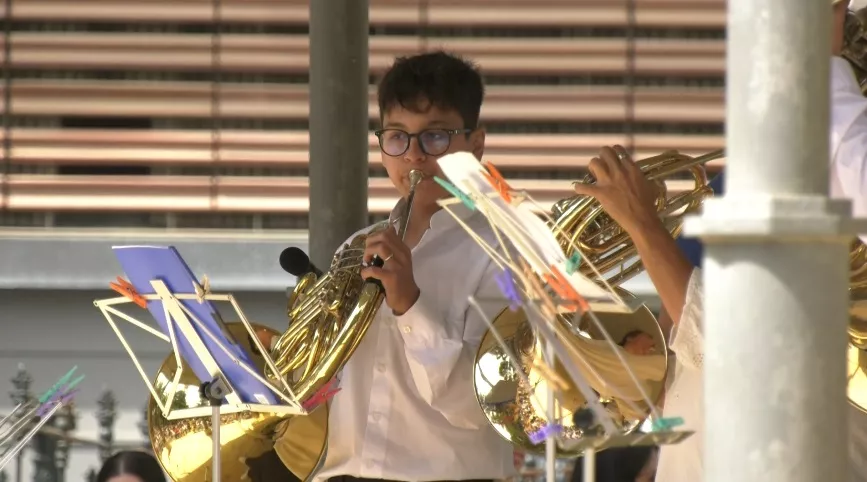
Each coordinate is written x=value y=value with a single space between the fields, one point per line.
x=848 y=137
x=687 y=337
x=441 y=353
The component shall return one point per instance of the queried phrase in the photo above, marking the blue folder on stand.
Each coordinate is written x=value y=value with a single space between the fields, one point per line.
x=142 y=264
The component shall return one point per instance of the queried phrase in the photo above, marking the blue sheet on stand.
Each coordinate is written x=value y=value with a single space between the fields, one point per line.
x=692 y=247
x=145 y=263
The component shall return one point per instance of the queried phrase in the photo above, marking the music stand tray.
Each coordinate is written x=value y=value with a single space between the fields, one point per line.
x=163 y=284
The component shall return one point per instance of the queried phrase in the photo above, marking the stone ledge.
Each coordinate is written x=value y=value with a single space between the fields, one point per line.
x=58 y=259
x=77 y=260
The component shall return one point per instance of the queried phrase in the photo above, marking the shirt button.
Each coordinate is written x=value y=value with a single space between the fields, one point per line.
x=376 y=417
x=380 y=367
x=407 y=329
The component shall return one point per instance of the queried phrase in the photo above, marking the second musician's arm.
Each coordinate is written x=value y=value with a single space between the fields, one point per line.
x=679 y=286
x=666 y=265
x=441 y=352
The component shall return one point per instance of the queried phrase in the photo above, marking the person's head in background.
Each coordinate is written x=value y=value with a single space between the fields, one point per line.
x=638 y=342
x=429 y=106
x=622 y=464
x=131 y=466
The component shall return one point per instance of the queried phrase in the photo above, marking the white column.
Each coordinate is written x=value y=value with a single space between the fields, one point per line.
x=775 y=265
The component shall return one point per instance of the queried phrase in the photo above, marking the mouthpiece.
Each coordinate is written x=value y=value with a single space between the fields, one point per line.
x=415 y=177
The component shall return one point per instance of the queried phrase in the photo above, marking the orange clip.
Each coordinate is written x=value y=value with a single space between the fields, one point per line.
x=565 y=290
x=498 y=181
x=126 y=289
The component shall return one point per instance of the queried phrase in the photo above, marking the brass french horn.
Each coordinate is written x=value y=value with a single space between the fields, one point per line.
x=515 y=410
x=328 y=317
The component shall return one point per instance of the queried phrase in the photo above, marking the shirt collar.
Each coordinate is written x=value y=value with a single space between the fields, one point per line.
x=440 y=220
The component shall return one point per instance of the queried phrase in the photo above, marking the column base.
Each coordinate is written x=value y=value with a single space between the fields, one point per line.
x=782 y=219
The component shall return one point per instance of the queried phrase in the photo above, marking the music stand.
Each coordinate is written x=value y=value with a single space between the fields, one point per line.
x=513 y=215
x=162 y=283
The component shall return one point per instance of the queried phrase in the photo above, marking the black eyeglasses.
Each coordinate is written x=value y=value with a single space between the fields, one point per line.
x=433 y=142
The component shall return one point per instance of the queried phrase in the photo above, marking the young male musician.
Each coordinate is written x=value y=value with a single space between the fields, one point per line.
x=407 y=410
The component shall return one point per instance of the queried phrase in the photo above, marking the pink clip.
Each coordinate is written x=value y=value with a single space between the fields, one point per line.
x=322 y=395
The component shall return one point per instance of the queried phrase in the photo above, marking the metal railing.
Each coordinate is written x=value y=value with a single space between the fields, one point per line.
x=50 y=449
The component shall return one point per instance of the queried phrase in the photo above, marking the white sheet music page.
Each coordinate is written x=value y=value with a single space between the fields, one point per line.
x=531 y=237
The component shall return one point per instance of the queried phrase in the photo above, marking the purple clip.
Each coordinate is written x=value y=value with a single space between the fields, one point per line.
x=510 y=291
x=546 y=432
x=59 y=397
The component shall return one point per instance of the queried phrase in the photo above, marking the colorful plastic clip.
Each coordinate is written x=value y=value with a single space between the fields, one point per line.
x=546 y=432
x=126 y=289
x=564 y=290
x=498 y=182
x=573 y=263
x=510 y=291
x=61 y=397
x=454 y=191
x=58 y=385
x=666 y=424
x=323 y=395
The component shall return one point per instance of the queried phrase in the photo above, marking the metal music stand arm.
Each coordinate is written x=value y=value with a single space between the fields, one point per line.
x=215 y=391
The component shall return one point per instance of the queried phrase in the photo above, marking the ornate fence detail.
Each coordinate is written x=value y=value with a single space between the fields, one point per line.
x=50 y=449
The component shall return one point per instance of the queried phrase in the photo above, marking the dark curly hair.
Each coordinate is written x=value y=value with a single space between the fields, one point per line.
x=131 y=462
x=437 y=79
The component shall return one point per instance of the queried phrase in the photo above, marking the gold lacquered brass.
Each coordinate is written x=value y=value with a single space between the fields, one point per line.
x=580 y=220
x=857 y=351
x=515 y=414
x=183 y=447
x=328 y=317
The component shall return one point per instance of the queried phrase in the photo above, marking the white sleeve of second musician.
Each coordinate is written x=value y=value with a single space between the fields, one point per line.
x=687 y=337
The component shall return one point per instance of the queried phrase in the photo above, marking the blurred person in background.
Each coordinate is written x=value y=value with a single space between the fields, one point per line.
x=622 y=464
x=131 y=466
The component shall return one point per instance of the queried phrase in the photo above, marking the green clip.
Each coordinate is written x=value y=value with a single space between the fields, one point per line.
x=456 y=193
x=50 y=393
x=666 y=424
x=573 y=263
x=73 y=383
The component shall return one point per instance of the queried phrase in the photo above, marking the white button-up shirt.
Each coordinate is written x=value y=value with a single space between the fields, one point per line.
x=683 y=462
x=407 y=409
x=684 y=396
